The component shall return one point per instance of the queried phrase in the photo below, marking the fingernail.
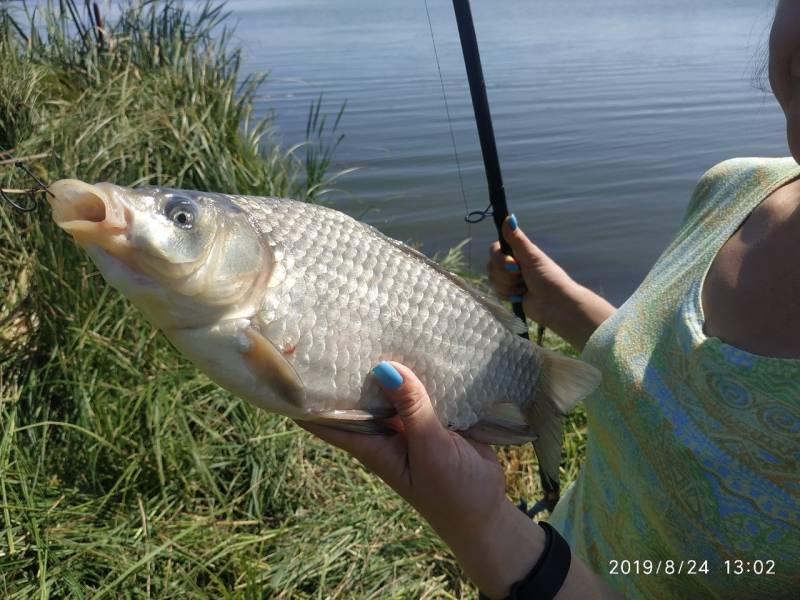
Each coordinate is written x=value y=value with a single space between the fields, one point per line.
x=511 y=266
x=512 y=222
x=387 y=375
x=515 y=299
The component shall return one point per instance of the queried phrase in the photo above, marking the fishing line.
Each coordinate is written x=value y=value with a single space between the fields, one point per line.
x=467 y=212
x=497 y=208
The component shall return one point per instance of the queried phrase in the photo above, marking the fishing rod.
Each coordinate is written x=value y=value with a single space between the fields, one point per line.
x=494 y=178
x=483 y=118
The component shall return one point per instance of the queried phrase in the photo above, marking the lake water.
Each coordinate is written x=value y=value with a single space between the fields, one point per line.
x=606 y=113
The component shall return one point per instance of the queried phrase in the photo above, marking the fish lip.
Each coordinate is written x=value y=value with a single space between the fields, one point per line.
x=90 y=213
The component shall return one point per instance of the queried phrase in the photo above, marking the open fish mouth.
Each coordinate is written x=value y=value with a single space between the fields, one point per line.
x=89 y=213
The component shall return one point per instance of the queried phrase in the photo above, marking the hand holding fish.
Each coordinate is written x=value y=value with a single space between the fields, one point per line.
x=456 y=484
x=548 y=294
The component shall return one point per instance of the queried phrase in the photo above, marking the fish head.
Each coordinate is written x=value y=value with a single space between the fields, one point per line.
x=185 y=258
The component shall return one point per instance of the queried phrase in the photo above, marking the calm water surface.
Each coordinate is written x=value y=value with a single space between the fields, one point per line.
x=606 y=114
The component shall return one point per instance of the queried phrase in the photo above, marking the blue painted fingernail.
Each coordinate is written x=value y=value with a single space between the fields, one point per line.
x=515 y=299
x=511 y=266
x=512 y=222
x=387 y=375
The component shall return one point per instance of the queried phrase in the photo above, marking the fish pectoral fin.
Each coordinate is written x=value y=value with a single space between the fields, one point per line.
x=503 y=424
x=357 y=421
x=270 y=367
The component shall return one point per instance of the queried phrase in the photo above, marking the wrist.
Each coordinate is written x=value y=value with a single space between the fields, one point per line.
x=499 y=551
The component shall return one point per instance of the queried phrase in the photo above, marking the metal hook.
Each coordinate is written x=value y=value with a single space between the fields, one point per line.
x=29 y=194
x=42 y=186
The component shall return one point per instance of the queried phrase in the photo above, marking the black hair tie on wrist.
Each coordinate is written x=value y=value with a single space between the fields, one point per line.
x=548 y=574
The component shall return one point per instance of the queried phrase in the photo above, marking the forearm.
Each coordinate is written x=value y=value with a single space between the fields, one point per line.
x=498 y=554
x=579 y=312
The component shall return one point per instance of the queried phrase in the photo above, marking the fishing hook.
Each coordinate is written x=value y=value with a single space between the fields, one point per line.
x=29 y=194
x=25 y=209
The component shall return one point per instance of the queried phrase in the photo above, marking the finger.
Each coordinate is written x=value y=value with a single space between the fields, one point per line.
x=484 y=450
x=501 y=273
x=506 y=286
x=525 y=251
x=410 y=399
x=515 y=293
x=502 y=261
x=504 y=282
x=357 y=444
x=378 y=453
x=517 y=298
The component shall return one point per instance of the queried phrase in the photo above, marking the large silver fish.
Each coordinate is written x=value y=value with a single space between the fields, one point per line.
x=288 y=305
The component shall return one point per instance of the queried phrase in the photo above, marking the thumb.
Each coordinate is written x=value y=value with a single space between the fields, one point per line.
x=410 y=400
x=526 y=253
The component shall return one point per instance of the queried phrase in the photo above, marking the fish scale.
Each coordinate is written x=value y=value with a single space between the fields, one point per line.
x=466 y=358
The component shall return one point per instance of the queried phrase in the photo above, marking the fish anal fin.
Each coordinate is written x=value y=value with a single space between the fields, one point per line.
x=269 y=366
x=503 y=424
x=548 y=425
x=357 y=421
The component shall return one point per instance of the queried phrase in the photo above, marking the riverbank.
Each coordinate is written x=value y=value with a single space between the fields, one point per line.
x=123 y=470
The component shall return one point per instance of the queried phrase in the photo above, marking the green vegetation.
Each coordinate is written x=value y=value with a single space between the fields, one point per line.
x=124 y=471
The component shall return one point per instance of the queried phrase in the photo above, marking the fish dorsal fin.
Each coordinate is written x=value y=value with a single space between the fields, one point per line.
x=506 y=318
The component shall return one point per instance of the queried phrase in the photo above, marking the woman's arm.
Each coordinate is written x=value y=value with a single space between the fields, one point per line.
x=549 y=296
x=497 y=554
x=458 y=486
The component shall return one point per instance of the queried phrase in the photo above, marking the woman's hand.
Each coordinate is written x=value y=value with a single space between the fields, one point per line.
x=548 y=294
x=457 y=485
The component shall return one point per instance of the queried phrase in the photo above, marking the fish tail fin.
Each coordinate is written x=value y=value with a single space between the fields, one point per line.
x=562 y=383
x=565 y=381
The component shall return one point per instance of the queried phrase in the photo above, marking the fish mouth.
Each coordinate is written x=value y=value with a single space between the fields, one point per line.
x=90 y=213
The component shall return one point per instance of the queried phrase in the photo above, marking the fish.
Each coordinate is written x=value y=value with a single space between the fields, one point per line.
x=289 y=305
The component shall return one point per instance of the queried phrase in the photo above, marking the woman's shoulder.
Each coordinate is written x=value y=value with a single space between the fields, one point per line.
x=738 y=179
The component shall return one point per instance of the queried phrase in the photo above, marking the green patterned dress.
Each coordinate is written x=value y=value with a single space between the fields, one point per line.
x=694 y=445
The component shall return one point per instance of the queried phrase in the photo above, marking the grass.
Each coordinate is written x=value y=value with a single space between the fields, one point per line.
x=123 y=471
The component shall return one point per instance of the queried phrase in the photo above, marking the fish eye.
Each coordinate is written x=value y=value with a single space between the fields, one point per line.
x=181 y=211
